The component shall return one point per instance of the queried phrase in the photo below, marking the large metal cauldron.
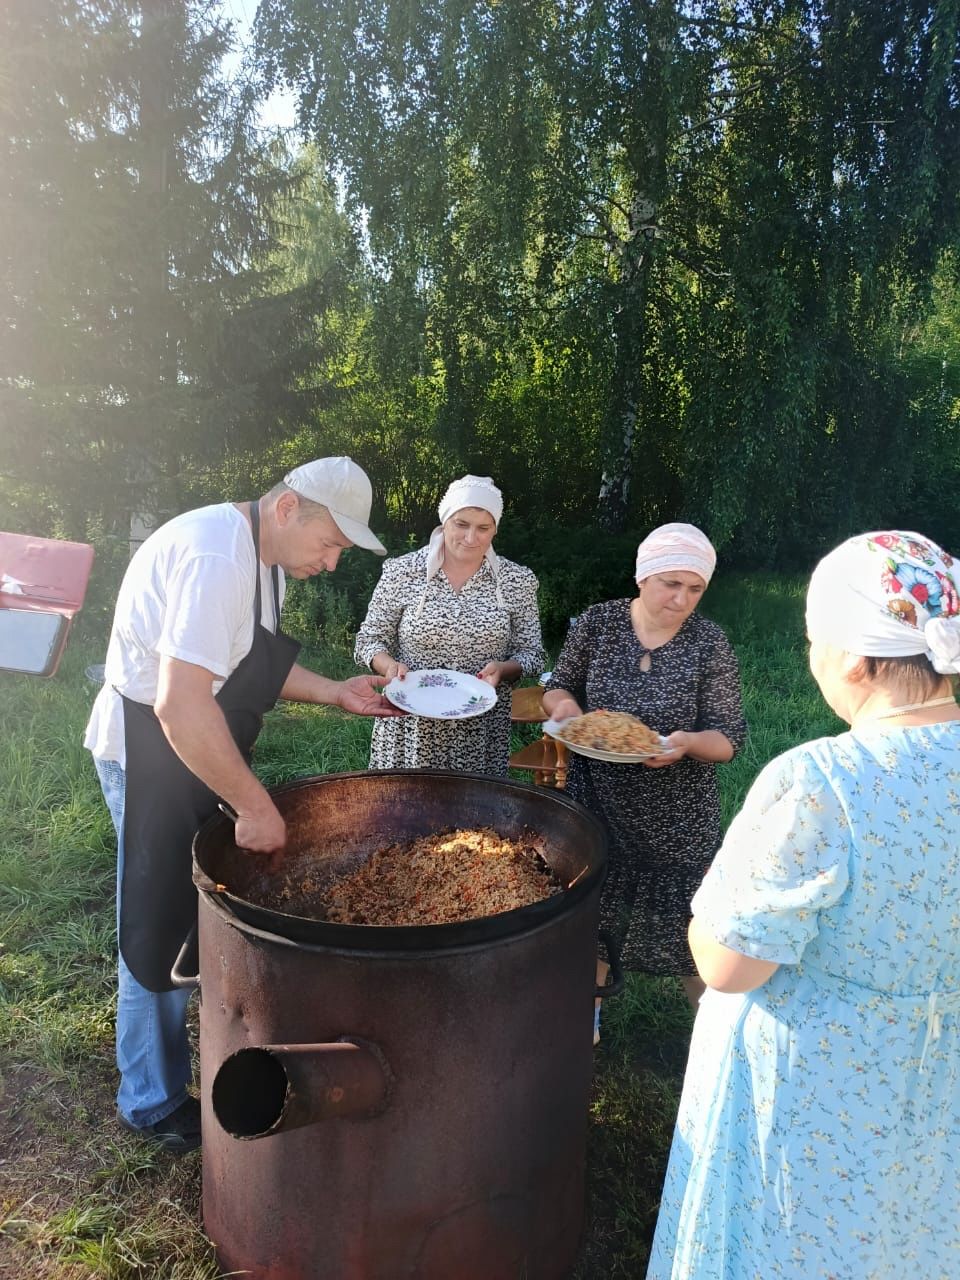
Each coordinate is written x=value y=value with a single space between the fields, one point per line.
x=394 y=1103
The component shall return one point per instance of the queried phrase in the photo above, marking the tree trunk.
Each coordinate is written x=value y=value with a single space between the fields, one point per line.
x=156 y=172
x=620 y=419
x=645 y=146
x=624 y=409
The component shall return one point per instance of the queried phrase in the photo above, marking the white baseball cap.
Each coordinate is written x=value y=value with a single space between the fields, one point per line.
x=344 y=489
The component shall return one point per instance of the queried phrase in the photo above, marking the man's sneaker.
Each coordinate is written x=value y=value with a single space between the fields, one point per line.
x=178 y=1132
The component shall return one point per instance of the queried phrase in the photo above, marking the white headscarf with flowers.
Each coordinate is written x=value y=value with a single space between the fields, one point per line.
x=888 y=595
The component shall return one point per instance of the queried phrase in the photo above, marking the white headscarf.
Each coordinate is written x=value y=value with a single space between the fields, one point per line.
x=888 y=595
x=468 y=491
x=676 y=546
x=471 y=491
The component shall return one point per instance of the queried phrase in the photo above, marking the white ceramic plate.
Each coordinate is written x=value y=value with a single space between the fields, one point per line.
x=441 y=695
x=555 y=729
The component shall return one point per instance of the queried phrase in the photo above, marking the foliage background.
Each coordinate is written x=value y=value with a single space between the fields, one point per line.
x=638 y=261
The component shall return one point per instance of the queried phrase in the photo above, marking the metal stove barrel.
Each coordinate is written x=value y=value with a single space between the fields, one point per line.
x=418 y=1106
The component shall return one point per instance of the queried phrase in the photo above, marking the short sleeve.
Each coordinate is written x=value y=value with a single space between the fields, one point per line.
x=784 y=860
x=205 y=611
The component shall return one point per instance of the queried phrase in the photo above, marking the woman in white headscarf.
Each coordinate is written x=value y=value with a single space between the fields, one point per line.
x=820 y=1119
x=454 y=604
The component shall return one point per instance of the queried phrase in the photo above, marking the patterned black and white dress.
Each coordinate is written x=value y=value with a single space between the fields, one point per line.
x=461 y=631
x=663 y=824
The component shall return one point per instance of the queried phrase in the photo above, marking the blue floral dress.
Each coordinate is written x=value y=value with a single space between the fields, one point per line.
x=819 y=1128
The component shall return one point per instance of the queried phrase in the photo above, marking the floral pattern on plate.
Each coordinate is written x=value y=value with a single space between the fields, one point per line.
x=436 y=680
x=437 y=694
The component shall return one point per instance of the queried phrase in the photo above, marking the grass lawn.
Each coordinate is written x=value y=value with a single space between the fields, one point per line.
x=80 y=1198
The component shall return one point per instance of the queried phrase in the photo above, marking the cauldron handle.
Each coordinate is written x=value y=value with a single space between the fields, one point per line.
x=188 y=950
x=615 y=986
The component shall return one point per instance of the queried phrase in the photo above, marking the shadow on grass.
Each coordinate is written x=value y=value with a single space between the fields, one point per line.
x=640 y=1065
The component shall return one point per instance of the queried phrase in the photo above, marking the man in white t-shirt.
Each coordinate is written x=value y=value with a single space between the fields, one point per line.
x=196 y=657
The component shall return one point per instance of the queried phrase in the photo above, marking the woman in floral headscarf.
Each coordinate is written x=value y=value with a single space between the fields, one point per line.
x=454 y=604
x=820 y=1119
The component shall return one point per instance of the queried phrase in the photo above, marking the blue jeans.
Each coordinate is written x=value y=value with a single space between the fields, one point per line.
x=153 y=1051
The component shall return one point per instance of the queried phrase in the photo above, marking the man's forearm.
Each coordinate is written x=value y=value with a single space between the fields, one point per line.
x=302 y=685
x=199 y=734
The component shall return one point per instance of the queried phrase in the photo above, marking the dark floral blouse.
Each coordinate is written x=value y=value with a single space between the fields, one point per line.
x=663 y=824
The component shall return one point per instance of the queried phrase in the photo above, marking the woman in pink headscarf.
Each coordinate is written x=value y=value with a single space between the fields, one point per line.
x=657 y=658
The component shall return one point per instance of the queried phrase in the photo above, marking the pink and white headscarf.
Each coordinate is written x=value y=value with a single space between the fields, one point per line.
x=888 y=595
x=676 y=546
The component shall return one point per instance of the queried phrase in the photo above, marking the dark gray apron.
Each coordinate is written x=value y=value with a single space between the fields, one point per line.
x=165 y=803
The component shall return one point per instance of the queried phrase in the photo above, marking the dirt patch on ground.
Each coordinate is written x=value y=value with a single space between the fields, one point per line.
x=65 y=1165
x=46 y=1127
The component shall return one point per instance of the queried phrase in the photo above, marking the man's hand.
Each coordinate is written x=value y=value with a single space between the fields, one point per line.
x=261 y=830
x=362 y=696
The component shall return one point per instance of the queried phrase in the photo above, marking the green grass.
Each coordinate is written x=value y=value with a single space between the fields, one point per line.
x=79 y=1198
